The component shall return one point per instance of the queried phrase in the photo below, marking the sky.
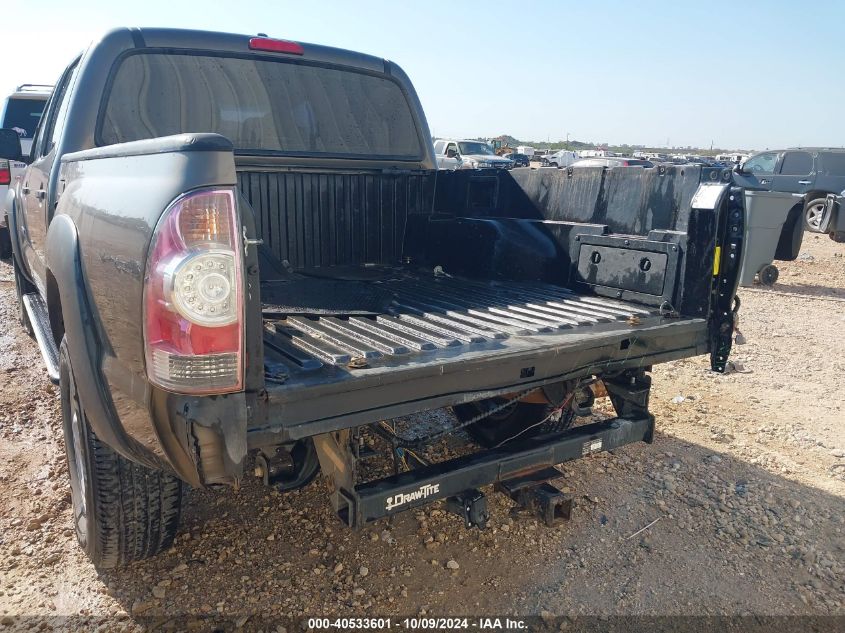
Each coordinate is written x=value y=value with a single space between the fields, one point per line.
x=739 y=75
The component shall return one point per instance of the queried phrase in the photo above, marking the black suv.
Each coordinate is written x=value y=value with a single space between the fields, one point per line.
x=811 y=171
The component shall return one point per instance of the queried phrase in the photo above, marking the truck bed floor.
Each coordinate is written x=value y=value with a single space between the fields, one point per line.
x=427 y=315
x=476 y=336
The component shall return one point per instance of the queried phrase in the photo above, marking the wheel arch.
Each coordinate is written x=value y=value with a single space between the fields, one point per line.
x=70 y=312
x=813 y=195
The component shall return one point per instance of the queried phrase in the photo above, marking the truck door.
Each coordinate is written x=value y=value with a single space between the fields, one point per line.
x=796 y=173
x=37 y=198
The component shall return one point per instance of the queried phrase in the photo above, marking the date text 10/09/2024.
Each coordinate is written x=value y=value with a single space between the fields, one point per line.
x=415 y=624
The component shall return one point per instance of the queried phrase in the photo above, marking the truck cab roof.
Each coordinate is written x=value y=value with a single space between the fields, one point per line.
x=109 y=67
x=191 y=39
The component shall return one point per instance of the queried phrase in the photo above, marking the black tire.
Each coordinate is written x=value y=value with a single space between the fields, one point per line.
x=813 y=213
x=520 y=420
x=768 y=275
x=123 y=511
x=22 y=287
x=838 y=236
x=5 y=243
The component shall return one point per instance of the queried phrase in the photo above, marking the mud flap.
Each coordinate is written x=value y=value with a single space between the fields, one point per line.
x=830 y=207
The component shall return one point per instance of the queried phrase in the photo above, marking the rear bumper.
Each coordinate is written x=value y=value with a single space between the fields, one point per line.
x=206 y=438
x=374 y=500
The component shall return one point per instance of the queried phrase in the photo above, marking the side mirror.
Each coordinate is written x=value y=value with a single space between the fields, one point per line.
x=10 y=144
x=740 y=168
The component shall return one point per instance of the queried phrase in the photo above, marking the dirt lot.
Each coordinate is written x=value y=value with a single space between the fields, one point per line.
x=746 y=480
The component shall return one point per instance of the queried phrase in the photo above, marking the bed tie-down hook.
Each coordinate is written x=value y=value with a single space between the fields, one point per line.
x=248 y=242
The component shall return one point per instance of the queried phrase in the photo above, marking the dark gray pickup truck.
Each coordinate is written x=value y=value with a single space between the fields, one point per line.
x=237 y=256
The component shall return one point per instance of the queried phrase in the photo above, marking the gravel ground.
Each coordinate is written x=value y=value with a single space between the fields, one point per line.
x=741 y=495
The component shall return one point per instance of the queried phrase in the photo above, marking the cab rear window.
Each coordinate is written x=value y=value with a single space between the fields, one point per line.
x=262 y=106
x=23 y=115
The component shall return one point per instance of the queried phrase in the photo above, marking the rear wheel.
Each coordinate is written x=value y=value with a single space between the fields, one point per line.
x=122 y=511
x=5 y=243
x=518 y=420
x=813 y=211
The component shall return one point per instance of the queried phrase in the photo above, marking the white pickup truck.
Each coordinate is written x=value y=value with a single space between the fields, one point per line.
x=464 y=154
x=561 y=158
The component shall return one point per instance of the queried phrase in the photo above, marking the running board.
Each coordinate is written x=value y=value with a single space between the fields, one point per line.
x=420 y=486
x=40 y=320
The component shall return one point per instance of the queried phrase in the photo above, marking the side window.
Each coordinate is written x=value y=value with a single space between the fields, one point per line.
x=832 y=163
x=56 y=123
x=438 y=147
x=38 y=141
x=451 y=150
x=34 y=151
x=797 y=164
x=44 y=142
x=762 y=163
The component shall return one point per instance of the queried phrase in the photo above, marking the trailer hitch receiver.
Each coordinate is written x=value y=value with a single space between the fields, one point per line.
x=471 y=506
x=534 y=493
x=553 y=506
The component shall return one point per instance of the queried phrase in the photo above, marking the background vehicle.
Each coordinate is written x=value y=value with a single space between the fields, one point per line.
x=813 y=172
x=731 y=159
x=561 y=158
x=465 y=154
x=618 y=161
x=446 y=153
x=21 y=112
x=272 y=296
x=519 y=160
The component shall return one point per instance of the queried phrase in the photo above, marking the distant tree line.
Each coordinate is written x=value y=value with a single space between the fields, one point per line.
x=621 y=149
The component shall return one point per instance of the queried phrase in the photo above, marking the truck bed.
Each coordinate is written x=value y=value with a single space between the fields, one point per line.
x=492 y=337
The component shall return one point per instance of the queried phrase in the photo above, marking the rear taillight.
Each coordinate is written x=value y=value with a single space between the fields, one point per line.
x=193 y=296
x=5 y=172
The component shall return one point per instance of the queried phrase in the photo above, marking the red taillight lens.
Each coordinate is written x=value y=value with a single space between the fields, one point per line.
x=5 y=173
x=275 y=46
x=193 y=296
